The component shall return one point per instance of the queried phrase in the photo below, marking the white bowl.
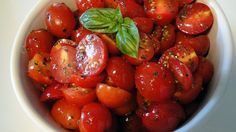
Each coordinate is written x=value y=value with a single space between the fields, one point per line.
x=220 y=54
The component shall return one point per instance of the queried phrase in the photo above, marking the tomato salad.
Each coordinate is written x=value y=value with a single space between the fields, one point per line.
x=122 y=65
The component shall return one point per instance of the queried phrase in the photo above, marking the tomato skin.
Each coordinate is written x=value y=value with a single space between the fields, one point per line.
x=79 y=34
x=84 y=5
x=127 y=7
x=206 y=69
x=112 y=97
x=162 y=11
x=95 y=118
x=194 y=19
x=89 y=81
x=144 y=24
x=39 y=68
x=60 y=12
x=163 y=117
x=91 y=55
x=66 y=114
x=52 y=92
x=63 y=62
x=154 y=82
x=78 y=95
x=38 y=41
x=119 y=72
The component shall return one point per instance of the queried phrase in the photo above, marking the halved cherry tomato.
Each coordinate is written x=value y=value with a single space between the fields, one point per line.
x=121 y=73
x=187 y=96
x=194 y=19
x=38 y=41
x=163 y=117
x=84 y=5
x=79 y=34
x=184 y=2
x=155 y=38
x=181 y=37
x=79 y=95
x=88 y=81
x=181 y=72
x=145 y=52
x=91 y=55
x=39 y=68
x=154 y=82
x=112 y=97
x=60 y=20
x=66 y=114
x=206 y=69
x=95 y=118
x=63 y=62
x=167 y=38
x=144 y=24
x=53 y=92
x=162 y=11
x=110 y=42
x=184 y=53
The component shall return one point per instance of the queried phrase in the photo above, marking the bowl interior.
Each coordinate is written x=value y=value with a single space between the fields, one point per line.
x=220 y=54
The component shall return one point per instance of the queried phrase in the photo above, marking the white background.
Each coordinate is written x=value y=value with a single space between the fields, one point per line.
x=12 y=118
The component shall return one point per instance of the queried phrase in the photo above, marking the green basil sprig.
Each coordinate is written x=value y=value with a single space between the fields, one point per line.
x=108 y=20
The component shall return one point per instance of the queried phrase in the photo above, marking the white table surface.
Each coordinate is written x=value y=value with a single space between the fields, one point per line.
x=12 y=117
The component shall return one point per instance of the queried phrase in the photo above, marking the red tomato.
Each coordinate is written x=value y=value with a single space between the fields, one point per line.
x=184 y=53
x=145 y=52
x=79 y=95
x=91 y=55
x=38 y=41
x=184 y=2
x=111 y=3
x=125 y=109
x=206 y=69
x=95 y=118
x=60 y=20
x=110 y=42
x=63 y=62
x=79 y=34
x=53 y=92
x=163 y=117
x=121 y=73
x=39 y=68
x=84 y=5
x=181 y=72
x=66 y=114
x=162 y=11
x=194 y=19
x=142 y=102
x=187 y=96
x=167 y=38
x=144 y=24
x=112 y=97
x=155 y=38
x=181 y=37
x=89 y=81
x=154 y=82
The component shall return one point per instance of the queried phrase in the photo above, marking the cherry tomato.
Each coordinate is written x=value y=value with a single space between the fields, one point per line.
x=167 y=38
x=95 y=118
x=91 y=55
x=110 y=42
x=88 y=81
x=194 y=19
x=144 y=24
x=112 y=97
x=181 y=37
x=155 y=38
x=145 y=52
x=66 y=114
x=79 y=95
x=63 y=62
x=38 y=41
x=163 y=117
x=206 y=69
x=121 y=73
x=142 y=102
x=39 y=68
x=53 y=92
x=162 y=11
x=187 y=96
x=60 y=20
x=184 y=2
x=79 y=34
x=154 y=82
x=111 y=3
x=184 y=53
x=84 y=5
x=181 y=72
x=125 y=109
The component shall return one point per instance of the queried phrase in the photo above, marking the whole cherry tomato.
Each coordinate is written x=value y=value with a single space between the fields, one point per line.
x=206 y=69
x=84 y=5
x=79 y=34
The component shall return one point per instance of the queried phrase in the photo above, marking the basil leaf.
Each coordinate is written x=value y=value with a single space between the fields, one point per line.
x=102 y=20
x=127 y=38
